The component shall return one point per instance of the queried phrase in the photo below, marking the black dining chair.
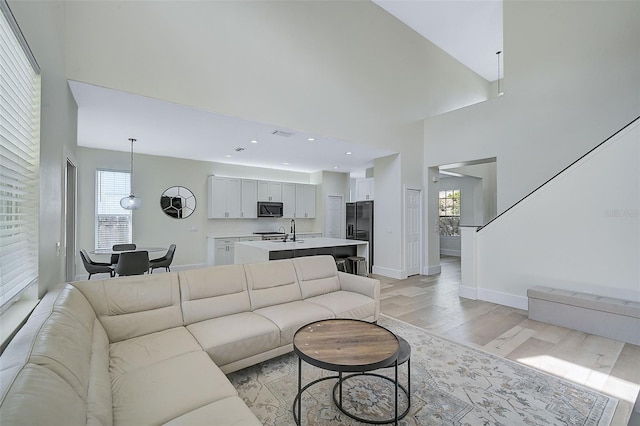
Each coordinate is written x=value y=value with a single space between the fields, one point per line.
x=95 y=267
x=132 y=263
x=120 y=247
x=164 y=261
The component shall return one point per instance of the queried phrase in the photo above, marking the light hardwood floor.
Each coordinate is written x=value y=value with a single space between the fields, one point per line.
x=432 y=302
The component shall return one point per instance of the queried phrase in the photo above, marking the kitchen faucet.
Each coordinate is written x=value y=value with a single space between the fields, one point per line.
x=293 y=229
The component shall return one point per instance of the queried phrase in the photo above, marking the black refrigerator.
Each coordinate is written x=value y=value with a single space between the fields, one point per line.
x=360 y=224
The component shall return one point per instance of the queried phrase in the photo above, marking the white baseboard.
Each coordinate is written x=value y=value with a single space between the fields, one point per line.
x=388 y=272
x=518 y=302
x=449 y=252
x=468 y=292
x=432 y=270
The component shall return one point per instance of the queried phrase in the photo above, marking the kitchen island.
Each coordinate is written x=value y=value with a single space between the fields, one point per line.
x=262 y=251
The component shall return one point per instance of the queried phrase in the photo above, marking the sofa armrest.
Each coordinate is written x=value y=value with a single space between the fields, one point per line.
x=359 y=284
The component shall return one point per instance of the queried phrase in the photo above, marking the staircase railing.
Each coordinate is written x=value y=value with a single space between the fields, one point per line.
x=561 y=171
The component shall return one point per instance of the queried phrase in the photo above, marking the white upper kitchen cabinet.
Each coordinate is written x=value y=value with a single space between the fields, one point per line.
x=288 y=200
x=305 y=201
x=249 y=199
x=364 y=189
x=269 y=191
x=225 y=197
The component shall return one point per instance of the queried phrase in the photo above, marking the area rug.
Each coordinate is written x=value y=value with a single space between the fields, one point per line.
x=451 y=384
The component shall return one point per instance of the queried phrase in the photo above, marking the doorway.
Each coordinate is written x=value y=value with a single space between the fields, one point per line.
x=467 y=197
x=70 y=195
x=334 y=217
x=413 y=231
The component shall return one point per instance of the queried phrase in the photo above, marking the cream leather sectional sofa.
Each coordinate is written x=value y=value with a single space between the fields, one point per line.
x=154 y=349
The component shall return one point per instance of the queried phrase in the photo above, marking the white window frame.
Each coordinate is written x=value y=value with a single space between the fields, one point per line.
x=445 y=216
x=19 y=162
x=111 y=186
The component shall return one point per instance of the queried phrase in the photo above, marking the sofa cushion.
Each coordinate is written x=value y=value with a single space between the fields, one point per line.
x=346 y=304
x=167 y=389
x=234 y=337
x=228 y=411
x=30 y=400
x=272 y=283
x=213 y=292
x=133 y=306
x=99 y=406
x=139 y=352
x=316 y=275
x=62 y=347
x=289 y=317
x=65 y=340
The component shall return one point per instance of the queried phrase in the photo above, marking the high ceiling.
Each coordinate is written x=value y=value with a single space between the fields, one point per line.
x=470 y=31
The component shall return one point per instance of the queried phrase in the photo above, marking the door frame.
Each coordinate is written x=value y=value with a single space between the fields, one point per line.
x=343 y=216
x=420 y=229
x=70 y=217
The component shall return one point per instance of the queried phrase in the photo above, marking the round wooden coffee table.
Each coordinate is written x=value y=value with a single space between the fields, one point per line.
x=344 y=346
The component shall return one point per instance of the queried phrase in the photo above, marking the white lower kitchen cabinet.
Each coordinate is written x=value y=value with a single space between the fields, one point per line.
x=220 y=251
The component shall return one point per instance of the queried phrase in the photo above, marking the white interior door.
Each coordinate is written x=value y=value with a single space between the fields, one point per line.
x=334 y=217
x=412 y=237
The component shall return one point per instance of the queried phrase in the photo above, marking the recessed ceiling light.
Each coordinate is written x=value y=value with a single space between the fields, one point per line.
x=311 y=139
x=254 y=141
x=335 y=167
x=348 y=152
x=228 y=156
x=286 y=164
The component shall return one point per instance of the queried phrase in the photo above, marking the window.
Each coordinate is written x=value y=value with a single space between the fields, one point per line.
x=449 y=210
x=19 y=162
x=113 y=223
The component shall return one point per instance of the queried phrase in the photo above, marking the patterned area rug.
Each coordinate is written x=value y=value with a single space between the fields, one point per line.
x=451 y=384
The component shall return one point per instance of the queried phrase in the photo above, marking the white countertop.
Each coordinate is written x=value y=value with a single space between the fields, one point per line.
x=275 y=245
x=259 y=236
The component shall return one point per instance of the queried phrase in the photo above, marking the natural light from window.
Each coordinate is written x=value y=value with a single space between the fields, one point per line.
x=113 y=223
x=593 y=379
x=449 y=212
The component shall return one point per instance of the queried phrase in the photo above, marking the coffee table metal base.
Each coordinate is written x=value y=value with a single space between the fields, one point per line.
x=297 y=401
x=338 y=401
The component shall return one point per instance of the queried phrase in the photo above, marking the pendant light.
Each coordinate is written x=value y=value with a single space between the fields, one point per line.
x=131 y=202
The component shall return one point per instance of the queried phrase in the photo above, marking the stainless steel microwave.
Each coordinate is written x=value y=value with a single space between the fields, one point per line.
x=269 y=209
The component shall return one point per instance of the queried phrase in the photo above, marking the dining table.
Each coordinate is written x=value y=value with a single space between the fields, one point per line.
x=111 y=251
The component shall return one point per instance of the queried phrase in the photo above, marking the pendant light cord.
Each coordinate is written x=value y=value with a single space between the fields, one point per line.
x=131 y=177
x=498 y=53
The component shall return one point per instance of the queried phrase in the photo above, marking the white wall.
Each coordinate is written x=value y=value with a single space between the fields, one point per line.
x=42 y=25
x=580 y=232
x=348 y=70
x=388 y=246
x=151 y=227
x=360 y=81
x=571 y=80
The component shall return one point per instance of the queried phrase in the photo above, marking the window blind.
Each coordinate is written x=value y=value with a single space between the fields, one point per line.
x=113 y=223
x=19 y=162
